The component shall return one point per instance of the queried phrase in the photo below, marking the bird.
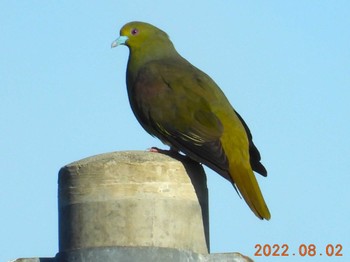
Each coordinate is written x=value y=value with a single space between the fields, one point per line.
x=184 y=108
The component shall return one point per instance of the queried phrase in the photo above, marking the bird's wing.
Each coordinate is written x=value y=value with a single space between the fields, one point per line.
x=173 y=109
x=200 y=139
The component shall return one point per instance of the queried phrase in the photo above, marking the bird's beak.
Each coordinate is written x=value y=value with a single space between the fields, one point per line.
x=121 y=40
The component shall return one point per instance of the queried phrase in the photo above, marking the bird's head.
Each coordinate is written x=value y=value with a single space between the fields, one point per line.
x=137 y=34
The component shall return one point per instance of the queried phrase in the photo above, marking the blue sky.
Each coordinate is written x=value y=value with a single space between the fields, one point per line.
x=284 y=65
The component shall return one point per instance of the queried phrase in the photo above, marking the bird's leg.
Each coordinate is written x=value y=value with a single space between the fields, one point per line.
x=171 y=151
x=154 y=149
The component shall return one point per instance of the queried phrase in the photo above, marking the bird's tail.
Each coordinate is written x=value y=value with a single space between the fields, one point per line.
x=247 y=185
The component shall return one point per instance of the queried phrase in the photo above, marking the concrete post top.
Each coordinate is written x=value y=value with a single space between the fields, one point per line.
x=131 y=157
x=165 y=164
x=133 y=198
x=132 y=168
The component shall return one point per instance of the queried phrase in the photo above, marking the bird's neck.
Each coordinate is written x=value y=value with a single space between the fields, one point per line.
x=141 y=55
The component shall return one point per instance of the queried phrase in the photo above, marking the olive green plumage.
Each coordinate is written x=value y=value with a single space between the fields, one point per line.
x=184 y=107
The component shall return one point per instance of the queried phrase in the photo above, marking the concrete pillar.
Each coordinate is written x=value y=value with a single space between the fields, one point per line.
x=134 y=206
x=132 y=200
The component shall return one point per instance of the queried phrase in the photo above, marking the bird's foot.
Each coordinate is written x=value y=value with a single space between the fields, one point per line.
x=155 y=150
x=171 y=151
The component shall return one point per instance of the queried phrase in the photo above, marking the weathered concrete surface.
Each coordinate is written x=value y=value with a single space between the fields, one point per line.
x=145 y=254
x=133 y=199
x=134 y=206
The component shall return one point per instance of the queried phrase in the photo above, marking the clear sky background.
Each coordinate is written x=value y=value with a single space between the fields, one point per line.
x=284 y=65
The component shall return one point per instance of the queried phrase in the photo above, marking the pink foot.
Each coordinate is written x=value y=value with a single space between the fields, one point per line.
x=163 y=151
x=155 y=149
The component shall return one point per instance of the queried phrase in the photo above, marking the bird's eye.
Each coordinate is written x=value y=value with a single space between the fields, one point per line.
x=134 y=31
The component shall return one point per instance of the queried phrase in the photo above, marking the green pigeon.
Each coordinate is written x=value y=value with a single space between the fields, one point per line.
x=183 y=107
